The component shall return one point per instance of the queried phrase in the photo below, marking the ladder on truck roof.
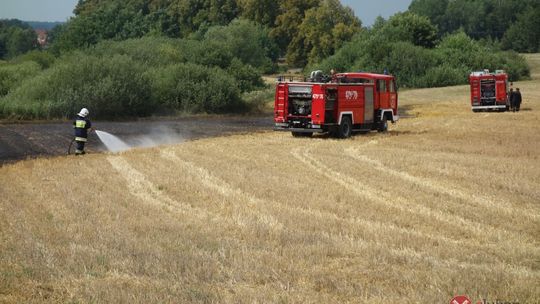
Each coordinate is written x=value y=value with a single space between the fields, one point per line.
x=280 y=102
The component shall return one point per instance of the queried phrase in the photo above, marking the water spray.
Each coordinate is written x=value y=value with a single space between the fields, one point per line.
x=159 y=136
x=113 y=143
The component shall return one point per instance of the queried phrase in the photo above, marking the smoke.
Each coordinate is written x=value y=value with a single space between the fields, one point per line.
x=160 y=135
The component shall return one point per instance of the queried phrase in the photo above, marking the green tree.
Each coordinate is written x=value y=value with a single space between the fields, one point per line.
x=324 y=29
x=112 y=20
x=524 y=34
x=287 y=23
x=433 y=9
x=478 y=18
x=191 y=15
x=411 y=27
x=20 y=41
x=16 y=38
x=264 y=12
x=246 y=40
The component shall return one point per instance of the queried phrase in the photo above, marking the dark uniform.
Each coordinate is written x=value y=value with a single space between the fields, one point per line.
x=517 y=100
x=81 y=126
x=512 y=99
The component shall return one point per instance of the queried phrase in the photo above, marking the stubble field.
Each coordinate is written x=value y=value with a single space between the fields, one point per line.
x=446 y=203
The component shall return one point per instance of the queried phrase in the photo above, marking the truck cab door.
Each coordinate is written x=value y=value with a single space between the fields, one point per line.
x=392 y=95
x=384 y=96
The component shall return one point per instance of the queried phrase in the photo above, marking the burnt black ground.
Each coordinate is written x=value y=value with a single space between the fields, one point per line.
x=30 y=140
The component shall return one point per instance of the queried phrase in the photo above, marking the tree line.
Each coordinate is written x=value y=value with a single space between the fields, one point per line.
x=142 y=57
x=303 y=30
x=514 y=23
x=407 y=46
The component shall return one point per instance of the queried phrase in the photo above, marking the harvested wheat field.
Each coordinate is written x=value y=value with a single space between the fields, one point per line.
x=446 y=203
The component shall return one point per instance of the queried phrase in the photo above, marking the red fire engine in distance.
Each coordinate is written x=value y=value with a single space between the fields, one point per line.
x=489 y=91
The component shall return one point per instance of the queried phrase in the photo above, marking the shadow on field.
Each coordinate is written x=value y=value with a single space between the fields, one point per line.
x=371 y=134
x=406 y=132
x=407 y=111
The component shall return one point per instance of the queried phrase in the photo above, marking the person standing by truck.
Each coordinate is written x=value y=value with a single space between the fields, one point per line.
x=517 y=100
x=81 y=125
x=511 y=99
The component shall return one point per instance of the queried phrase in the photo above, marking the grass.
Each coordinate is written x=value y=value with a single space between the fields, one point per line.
x=445 y=203
x=534 y=63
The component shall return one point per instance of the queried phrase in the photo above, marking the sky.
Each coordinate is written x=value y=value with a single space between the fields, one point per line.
x=368 y=10
x=61 y=10
x=37 y=10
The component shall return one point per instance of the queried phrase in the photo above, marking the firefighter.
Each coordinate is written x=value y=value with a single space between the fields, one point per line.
x=333 y=75
x=81 y=125
x=517 y=100
x=511 y=98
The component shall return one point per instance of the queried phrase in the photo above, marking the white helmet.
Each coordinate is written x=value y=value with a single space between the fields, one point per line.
x=84 y=112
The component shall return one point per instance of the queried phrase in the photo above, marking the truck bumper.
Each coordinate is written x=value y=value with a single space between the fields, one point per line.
x=287 y=128
x=493 y=107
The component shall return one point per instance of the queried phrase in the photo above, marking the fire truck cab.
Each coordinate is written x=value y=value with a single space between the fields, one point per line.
x=338 y=104
x=489 y=91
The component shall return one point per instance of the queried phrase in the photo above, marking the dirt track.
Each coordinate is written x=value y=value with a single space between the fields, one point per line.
x=21 y=141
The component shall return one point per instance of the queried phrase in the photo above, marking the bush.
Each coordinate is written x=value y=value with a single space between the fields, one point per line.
x=158 y=51
x=459 y=50
x=444 y=75
x=408 y=63
x=136 y=77
x=11 y=75
x=43 y=58
x=194 y=88
x=260 y=101
x=515 y=65
x=247 y=77
x=110 y=87
x=150 y=51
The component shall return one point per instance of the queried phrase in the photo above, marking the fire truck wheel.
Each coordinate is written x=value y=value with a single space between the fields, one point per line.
x=383 y=127
x=345 y=128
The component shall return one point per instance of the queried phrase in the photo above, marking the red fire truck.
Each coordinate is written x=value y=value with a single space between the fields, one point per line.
x=489 y=91
x=339 y=104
